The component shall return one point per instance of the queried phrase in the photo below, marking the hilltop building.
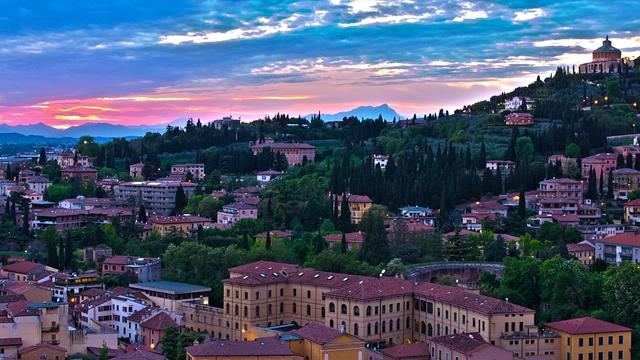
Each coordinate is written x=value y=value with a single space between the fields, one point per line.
x=606 y=59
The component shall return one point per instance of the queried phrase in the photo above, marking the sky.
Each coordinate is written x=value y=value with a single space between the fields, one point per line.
x=66 y=63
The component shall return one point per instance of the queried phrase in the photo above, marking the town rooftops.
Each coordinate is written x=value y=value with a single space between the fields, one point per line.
x=159 y=183
x=318 y=333
x=139 y=354
x=626 y=239
x=170 y=287
x=373 y=288
x=415 y=350
x=585 y=325
x=41 y=346
x=180 y=219
x=53 y=212
x=159 y=321
x=23 y=267
x=38 y=179
x=263 y=266
x=270 y=346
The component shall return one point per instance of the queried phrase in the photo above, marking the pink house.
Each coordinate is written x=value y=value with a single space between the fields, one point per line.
x=601 y=163
x=232 y=213
x=295 y=152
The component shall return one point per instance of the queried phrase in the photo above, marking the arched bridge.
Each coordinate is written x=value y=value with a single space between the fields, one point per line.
x=465 y=272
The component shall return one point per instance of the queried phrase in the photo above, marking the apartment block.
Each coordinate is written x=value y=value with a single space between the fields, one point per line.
x=158 y=197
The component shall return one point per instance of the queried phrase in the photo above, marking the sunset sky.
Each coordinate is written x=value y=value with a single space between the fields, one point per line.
x=150 y=62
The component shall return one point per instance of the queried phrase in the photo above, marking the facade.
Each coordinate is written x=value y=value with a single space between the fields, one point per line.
x=68 y=219
x=601 y=164
x=589 y=338
x=584 y=252
x=143 y=269
x=135 y=170
x=197 y=170
x=415 y=212
x=354 y=240
x=67 y=159
x=21 y=271
x=632 y=212
x=358 y=205
x=232 y=213
x=43 y=322
x=380 y=160
x=269 y=348
x=618 y=248
x=518 y=119
x=314 y=340
x=42 y=351
x=157 y=197
x=505 y=166
x=624 y=182
x=295 y=152
x=515 y=103
x=84 y=174
x=182 y=224
x=606 y=59
x=267 y=176
x=24 y=174
x=38 y=184
x=155 y=327
x=227 y=121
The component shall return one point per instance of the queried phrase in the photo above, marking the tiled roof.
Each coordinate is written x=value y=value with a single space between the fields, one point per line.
x=182 y=219
x=585 y=325
x=580 y=247
x=461 y=342
x=597 y=158
x=93 y=292
x=353 y=198
x=628 y=239
x=318 y=333
x=139 y=354
x=270 y=346
x=560 y=181
x=353 y=237
x=460 y=297
x=270 y=172
x=263 y=266
x=160 y=321
x=22 y=267
x=635 y=202
x=142 y=314
x=407 y=351
x=18 y=287
x=284 y=146
x=40 y=346
x=373 y=288
x=239 y=206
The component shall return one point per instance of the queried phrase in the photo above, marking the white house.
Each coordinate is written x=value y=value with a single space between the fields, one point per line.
x=516 y=102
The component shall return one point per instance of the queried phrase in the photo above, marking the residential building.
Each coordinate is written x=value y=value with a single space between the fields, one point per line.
x=606 y=59
x=413 y=351
x=196 y=170
x=516 y=104
x=31 y=292
x=226 y=121
x=584 y=252
x=35 y=323
x=24 y=174
x=354 y=240
x=168 y=294
x=294 y=152
x=314 y=340
x=61 y=219
x=142 y=269
x=22 y=270
x=601 y=164
x=506 y=167
x=358 y=205
x=157 y=197
x=267 y=176
x=68 y=158
x=182 y=224
x=415 y=212
x=588 y=338
x=135 y=171
x=518 y=119
x=38 y=184
x=84 y=174
x=66 y=288
x=380 y=160
x=565 y=189
x=465 y=346
x=154 y=328
x=618 y=248
x=269 y=348
x=232 y=213
x=89 y=203
x=632 y=212
x=624 y=182
x=42 y=351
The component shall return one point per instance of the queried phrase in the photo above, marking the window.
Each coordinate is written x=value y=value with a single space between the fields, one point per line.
x=295 y=308
x=295 y=292
x=368 y=329
x=384 y=326
x=620 y=339
x=322 y=311
x=423 y=328
x=269 y=309
x=580 y=342
x=343 y=308
x=269 y=294
x=308 y=294
x=355 y=329
x=610 y=340
x=408 y=325
x=257 y=311
x=590 y=341
x=331 y=323
x=309 y=310
x=246 y=295
x=257 y=295
x=281 y=308
x=384 y=309
x=332 y=307
x=246 y=311
x=282 y=292
x=368 y=310
x=375 y=329
x=236 y=310
x=356 y=311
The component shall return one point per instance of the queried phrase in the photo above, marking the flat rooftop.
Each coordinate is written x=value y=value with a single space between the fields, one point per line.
x=170 y=287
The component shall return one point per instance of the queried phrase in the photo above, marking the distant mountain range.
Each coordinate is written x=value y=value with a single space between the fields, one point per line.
x=363 y=112
x=41 y=133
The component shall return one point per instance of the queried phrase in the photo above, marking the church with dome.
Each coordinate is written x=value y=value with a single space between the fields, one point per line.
x=606 y=59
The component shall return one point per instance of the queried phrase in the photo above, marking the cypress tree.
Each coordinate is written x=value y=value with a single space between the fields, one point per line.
x=610 y=185
x=620 y=161
x=592 y=186
x=42 y=159
x=267 y=243
x=629 y=162
x=601 y=187
x=68 y=250
x=345 y=214
x=245 y=241
x=142 y=214
x=180 y=200
x=522 y=204
x=343 y=243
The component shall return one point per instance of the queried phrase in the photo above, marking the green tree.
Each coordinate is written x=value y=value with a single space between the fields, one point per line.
x=572 y=150
x=50 y=238
x=524 y=149
x=521 y=281
x=180 y=200
x=375 y=248
x=142 y=214
x=622 y=293
x=176 y=341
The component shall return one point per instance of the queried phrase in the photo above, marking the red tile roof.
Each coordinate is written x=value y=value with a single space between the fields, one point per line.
x=10 y=341
x=353 y=198
x=628 y=239
x=182 y=219
x=263 y=266
x=585 y=325
x=139 y=354
x=352 y=237
x=318 y=333
x=373 y=288
x=160 y=321
x=270 y=346
x=635 y=202
x=22 y=267
x=40 y=346
x=461 y=342
x=580 y=247
x=398 y=352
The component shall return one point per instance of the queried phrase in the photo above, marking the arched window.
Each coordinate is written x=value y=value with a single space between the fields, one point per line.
x=343 y=326
x=331 y=323
x=368 y=329
x=236 y=310
x=446 y=330
x=332 y=307
x=356 y=311
x=423 y=328
x=438 y=330
x=375 y=328
x=227 y=309
x=397 y=324
x=355 y=329
x=430 y=330
x=322 y=311
x=246 y=311
x=257 y=311
x=384 y=326
x=408 y=322
x=368 y=310
x=343 y=308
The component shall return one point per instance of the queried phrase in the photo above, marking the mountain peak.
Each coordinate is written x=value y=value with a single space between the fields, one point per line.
x=363 y=112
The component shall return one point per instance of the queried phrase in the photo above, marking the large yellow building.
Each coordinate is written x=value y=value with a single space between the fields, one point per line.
x=592 y=339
